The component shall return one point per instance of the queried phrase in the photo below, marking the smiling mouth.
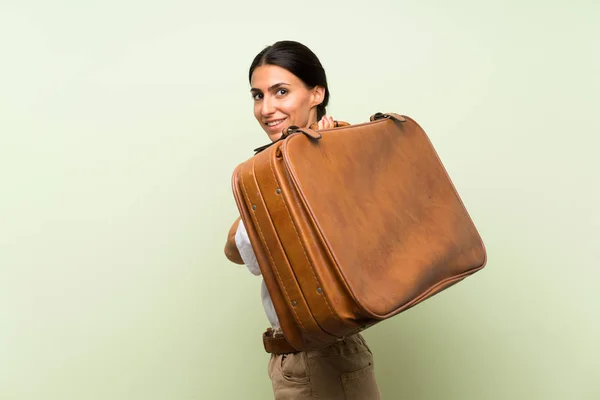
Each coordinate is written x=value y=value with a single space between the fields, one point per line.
x=276 y=123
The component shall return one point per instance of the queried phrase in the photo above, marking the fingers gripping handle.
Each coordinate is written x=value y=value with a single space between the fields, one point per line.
x=336 y=124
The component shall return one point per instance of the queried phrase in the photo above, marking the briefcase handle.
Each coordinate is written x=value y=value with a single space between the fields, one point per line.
x=374 y=117
x=313 y=132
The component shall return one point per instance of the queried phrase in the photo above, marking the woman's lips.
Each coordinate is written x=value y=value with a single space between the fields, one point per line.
x=277 y=127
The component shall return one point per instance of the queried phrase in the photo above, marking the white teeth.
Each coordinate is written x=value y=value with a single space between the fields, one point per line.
x=273 y=123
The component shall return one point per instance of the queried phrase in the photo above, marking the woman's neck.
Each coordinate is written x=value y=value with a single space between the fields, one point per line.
x=312 y=117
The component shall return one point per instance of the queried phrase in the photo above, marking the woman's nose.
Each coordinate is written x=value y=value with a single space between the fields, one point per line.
x=268 y=106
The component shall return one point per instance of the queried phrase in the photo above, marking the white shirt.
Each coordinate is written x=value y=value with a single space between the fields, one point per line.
x=247 y=253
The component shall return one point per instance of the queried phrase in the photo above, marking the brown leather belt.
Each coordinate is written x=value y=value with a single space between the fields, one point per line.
x=275 y=343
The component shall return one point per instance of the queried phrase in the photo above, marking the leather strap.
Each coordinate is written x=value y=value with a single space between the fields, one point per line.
x=276 y=343
x=311 y=133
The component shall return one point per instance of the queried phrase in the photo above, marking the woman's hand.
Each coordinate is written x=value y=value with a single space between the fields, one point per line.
x=326 y=123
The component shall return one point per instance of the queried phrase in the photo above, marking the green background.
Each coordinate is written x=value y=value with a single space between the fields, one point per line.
x=122 y=121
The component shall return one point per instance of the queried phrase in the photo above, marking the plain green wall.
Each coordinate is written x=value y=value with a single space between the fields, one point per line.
x=121 y=123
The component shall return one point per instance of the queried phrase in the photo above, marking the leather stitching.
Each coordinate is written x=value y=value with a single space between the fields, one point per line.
x=270 y=256
x=302 y=245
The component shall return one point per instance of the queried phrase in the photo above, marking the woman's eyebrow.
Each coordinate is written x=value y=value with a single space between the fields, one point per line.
x=275 y=86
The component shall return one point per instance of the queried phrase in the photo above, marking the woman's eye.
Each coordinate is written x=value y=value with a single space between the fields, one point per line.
x=257 y=96
x=282 y=92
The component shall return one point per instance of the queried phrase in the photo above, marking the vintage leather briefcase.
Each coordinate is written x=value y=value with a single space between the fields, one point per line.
x=353 y=225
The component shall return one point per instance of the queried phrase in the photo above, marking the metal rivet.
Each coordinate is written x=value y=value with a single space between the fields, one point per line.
x=278 y=191
x=319 y=290
x=294 y=303
x=254 y=206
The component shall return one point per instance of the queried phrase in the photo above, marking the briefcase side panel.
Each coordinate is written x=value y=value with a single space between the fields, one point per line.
x=287 y=320
x=258 y=189
x=284 y=233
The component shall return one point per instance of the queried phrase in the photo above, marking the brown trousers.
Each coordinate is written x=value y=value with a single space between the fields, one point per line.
x=343 y=370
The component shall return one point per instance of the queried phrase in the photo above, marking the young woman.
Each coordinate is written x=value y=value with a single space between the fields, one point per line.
x=289 y=87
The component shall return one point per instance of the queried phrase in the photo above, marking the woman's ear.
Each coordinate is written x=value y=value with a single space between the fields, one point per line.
x=318 y=95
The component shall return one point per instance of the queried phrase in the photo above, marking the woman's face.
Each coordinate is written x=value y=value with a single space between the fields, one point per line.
x=281 y=99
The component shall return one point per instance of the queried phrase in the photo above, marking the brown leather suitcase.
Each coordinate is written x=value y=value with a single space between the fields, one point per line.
x=353 y=225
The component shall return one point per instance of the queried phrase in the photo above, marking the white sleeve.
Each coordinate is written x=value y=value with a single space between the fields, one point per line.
x=242 y=241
